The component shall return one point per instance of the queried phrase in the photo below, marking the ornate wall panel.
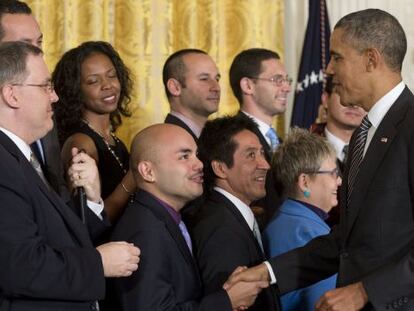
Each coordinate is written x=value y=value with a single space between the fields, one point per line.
x=145 y=32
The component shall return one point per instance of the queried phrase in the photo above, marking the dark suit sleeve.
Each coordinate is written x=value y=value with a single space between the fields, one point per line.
x=32 y=267
x=306 y=265
x=151 y=288
x=219 y=254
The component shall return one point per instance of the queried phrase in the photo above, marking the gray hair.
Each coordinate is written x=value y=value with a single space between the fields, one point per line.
x=374 y=28
x=301 y=152
x=13 y=57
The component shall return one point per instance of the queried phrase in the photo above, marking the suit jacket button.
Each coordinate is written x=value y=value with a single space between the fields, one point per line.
x=345 y=255
x=405 y=299
x=395 y=304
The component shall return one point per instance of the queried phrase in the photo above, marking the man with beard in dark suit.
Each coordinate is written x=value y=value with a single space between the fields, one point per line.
x=259 y=81
x=191 y=82
x=372 y=248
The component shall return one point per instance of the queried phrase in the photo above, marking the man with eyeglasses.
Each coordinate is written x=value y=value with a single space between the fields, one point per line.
x=261 y=85
x=47 y=259
x=18 y=24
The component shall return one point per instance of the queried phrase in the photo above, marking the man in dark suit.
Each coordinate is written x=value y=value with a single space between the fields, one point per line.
x=168 y=174
x=372 y=249
x=18 y=24
x=47 y=259
x=341 y=122
x=191 y=81
x=225 y=231
x=259 y=82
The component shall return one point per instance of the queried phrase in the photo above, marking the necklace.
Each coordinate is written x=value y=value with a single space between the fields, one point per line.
x=108 y=146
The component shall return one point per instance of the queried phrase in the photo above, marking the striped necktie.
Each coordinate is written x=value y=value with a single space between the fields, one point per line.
x=357 y=153
x=38 y=168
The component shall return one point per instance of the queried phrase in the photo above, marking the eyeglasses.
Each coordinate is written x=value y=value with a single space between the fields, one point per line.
x=48 y=86
x=334 y=173
x=277 y=80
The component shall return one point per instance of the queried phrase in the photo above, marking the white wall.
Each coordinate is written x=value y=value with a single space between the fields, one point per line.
x=296 y=16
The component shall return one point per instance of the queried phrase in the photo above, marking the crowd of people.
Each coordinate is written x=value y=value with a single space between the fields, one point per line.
x=205 y=214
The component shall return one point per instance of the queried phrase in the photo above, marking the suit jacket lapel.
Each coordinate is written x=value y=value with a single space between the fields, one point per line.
x=170 y=119
x=79 y=232
x=221 y=200
x=144 y=198
x=379 y=145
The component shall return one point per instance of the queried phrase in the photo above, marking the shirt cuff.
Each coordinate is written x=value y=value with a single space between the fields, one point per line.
x=271 y=273
x=96 y=208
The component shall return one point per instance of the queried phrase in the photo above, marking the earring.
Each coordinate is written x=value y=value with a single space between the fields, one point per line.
x=306 y=193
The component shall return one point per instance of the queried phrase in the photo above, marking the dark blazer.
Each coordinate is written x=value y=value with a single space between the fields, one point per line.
x=167 y=277
x=374 y=242
x=223 y=241
x=47 y=259
x=273 y=198
x=170 y=119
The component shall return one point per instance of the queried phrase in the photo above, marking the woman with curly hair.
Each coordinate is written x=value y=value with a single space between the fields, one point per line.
x=94 y=86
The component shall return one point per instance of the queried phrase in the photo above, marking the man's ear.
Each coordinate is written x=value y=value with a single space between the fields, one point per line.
x=174 y=87
x=324 y=99
x=219 y=169
x=372 y=59
x=146 y=170
x=9 y=96
x=246 y=85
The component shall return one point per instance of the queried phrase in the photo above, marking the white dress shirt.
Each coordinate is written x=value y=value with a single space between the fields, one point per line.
x=380 y=109
x=248 y=216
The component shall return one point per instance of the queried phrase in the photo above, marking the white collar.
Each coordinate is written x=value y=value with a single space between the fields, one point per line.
x=381 y=107
x=337 y=143
x=241 y=206
x=263 y=127
x=20 y=143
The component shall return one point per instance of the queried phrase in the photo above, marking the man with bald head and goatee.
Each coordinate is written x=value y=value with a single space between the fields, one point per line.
x=168 y=174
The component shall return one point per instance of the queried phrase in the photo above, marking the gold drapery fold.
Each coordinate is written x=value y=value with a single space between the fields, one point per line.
x=145 y=32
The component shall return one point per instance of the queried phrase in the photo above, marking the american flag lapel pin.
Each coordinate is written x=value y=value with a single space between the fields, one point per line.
x=384 y=139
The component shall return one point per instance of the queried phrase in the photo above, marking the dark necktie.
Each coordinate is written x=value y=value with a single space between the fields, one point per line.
x=345 y=150
x=357 y=153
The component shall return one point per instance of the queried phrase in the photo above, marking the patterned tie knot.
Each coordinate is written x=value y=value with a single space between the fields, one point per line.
x=365 y=124
x=274 y=140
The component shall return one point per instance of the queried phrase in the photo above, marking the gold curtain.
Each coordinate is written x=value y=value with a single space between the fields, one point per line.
x=145 y=32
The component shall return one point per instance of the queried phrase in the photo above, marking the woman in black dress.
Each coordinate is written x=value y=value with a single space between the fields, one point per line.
x=94 y=86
